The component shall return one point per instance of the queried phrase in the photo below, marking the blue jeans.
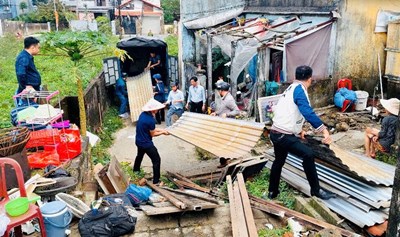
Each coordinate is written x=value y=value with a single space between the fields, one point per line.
x=284 y=143
x=172 y=110
x=124 y=102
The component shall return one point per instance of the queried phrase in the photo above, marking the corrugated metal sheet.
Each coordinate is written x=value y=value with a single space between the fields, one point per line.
x=374 y=172
x=223 y=137
x=364 y=204
x=140 y=91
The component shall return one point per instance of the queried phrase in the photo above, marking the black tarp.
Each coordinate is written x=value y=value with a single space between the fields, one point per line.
x=139 y=49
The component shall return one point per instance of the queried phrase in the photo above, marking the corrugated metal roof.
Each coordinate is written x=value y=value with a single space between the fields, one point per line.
x=140 y=91
x=371 y=172
x=366 y=203
x=224 y=137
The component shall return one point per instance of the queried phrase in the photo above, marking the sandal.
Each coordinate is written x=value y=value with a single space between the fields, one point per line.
x=160 y=184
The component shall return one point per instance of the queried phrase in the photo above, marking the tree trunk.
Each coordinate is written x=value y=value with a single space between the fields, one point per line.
x=81 y=102
x=394 y=213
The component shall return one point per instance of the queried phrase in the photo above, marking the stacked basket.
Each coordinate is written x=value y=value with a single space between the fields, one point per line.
x=13 y=140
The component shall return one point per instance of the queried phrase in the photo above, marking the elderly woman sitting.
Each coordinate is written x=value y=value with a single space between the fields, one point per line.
x=381 y=140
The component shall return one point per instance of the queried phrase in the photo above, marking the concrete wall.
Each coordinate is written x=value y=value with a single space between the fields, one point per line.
x=152 y=23
x=291 y=5
x=192 y=9
x=12 y=27
x=358 y=45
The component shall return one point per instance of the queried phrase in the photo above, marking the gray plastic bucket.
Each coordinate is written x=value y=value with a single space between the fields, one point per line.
x=56 y=218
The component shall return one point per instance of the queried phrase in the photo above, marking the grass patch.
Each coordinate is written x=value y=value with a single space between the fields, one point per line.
x=111 y=124
x=56 y=73
x=259 y=188
x=274 y=232
x=389 y=158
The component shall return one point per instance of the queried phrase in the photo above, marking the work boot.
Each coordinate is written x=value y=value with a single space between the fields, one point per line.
x=273 y=195
x=324 y=194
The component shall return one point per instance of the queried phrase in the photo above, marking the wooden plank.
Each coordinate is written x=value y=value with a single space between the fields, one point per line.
x=209 y=199
x=105 y=180
x=251 y=225
x=167 y=195
x=239 y=211
x=96 y=170
x=117 y=176
x=301 y=217
x=234 y=220
x=191 y=185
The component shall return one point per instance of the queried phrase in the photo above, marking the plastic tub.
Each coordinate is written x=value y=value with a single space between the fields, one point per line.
x=362 y=99
x=17 y=206
x=56 y=218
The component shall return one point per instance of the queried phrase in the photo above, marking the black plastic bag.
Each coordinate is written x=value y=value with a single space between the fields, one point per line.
x=110 y=221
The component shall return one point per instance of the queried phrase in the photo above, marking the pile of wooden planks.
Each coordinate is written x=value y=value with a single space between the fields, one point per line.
x=242 y=219
x=178 y=201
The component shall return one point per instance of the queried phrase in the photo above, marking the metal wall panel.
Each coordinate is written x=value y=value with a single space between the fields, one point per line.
x=140 y=91
x=223 y=137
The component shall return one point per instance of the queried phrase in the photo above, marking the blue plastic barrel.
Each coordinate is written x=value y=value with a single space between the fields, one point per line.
x=56 y=218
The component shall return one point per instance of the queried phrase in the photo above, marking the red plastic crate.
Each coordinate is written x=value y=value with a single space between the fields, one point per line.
x=43 y=137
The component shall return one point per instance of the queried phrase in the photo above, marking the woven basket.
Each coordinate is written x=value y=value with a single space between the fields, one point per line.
x=11 y=150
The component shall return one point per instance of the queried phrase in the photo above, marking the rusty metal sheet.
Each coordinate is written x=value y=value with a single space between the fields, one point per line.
x=140 y=91
x=371 y=171
x=366 y=205
x=224 y=137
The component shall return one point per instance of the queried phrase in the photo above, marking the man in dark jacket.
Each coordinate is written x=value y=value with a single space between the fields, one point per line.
x=27 y=74
x=159 y=95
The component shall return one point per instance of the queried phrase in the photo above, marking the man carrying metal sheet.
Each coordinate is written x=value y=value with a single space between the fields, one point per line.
x=289 y=116
x=145 y=131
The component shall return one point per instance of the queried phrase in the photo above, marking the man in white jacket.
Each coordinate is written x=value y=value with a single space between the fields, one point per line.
x=289 y=116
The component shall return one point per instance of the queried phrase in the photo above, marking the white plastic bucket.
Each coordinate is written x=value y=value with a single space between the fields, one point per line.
x=362 y=98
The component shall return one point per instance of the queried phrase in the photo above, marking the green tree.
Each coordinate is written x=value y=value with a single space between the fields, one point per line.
x=171 y=10
x=23 y=6
x=75 y=46
x=104 y=25
x=45 y=13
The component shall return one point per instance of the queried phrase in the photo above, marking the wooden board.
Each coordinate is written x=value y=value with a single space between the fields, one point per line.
x=117 y=176
x=100 y=172
x=166 y=207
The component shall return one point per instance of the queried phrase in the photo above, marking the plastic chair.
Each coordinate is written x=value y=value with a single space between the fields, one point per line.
x=347 y=104
x=344 y=82
x=33 y=211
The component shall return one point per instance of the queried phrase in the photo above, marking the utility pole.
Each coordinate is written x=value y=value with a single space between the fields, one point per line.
x=120 y=19
x=394 y=212
x=55 y=14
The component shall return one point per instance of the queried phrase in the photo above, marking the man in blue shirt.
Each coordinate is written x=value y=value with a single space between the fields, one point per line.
x=196 y=97
x=175 y=98
x=27 y=74
x=145 y=131
x=122 y=93
x=154 y=65
x=290 y=114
